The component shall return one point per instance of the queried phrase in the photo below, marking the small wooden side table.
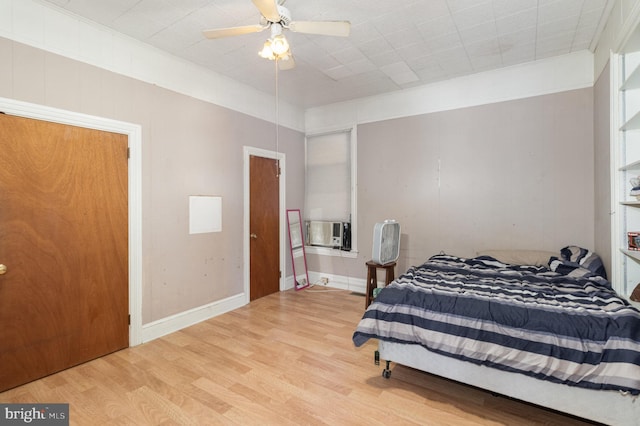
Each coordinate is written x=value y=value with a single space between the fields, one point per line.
x=372 y=278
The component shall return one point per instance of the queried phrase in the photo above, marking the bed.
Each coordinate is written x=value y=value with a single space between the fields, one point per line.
x=555 y=335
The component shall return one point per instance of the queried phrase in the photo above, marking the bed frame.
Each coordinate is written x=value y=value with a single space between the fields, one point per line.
x=608 y=407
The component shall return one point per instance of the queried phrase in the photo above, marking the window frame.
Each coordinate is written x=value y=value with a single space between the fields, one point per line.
x=353 y=191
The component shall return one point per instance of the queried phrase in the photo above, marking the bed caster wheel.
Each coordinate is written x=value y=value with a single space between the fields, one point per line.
x=386 y=373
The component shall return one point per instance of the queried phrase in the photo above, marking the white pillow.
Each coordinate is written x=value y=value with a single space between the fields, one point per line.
x=521 y=257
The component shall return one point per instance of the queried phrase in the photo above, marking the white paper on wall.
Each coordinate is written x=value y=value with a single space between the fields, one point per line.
x=205 y=214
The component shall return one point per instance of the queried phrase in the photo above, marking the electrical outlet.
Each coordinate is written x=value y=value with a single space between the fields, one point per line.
x=324 y=280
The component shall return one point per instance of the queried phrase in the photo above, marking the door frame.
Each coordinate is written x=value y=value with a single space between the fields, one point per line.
x=247 y=152
x=134 y=133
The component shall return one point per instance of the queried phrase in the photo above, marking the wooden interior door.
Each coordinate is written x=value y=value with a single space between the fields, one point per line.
x=64 y=242
x=264 y=225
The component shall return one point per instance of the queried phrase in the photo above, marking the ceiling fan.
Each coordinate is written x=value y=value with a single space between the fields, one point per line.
x=276 y=17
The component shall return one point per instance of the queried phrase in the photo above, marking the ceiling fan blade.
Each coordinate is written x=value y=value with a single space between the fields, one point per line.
x=286 y=64
x=268 y=9
x=234 y=31
x=330 y=28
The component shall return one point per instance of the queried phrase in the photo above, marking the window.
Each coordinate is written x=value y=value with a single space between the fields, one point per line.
x=331 y=178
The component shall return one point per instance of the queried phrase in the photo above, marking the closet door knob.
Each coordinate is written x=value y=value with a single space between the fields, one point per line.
x=254 y=236
x=3 y=269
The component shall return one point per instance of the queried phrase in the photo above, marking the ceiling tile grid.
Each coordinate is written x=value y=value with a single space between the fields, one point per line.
x=392 y=45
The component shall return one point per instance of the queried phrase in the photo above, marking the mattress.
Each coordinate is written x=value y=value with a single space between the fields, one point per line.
x=525 y=319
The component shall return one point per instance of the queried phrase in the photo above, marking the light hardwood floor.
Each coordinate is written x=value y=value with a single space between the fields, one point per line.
x=285 y=359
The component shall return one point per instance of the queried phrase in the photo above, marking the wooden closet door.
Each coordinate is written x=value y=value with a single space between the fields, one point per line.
x=264 y=204
x=64 y=242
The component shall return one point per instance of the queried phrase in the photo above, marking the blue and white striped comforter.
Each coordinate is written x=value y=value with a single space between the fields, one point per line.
x=523 y=319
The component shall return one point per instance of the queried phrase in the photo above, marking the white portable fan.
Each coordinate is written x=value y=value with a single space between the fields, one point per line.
x=386 y=242
x=276 y=17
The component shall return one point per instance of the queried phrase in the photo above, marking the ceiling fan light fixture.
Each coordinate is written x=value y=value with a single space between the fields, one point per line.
x=275 y=48
x=279 y=45
x=277 y=18
x=266 y=51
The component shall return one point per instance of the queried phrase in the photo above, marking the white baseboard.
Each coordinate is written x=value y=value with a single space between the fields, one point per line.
x=357 y=285
x=176 y=322
x=288 y=282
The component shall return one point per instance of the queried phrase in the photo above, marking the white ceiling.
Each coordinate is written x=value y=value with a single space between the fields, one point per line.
x=394 y=44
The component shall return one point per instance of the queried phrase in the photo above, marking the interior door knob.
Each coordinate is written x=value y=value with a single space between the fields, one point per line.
x=3 y=269
x=253 y=236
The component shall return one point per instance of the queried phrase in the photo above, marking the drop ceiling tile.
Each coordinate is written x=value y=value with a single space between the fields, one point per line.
x=160 y=11
x=558 y=27
x=454 y=61
x=375 y=47
x=348 y=55
x=422 y=11
x=485 y=31
x=364 y=87
x=339 y=72
x=516 y=22
x=212 y=16
x=445 y=42
x=395 y=68
x=320 y=62
x=171 y=40
x=436 y=39
x=486 y=62
x=483 y=48
x=363 y=33
x=415 y=50
x=188 y=6
x=552 y=46
x=590 y=19
x=522 y=53
x=458 y=5
x=385 y=58
x=390 y=22
x=137 y=25
x=99 y=11
x=403 y=37
x=238 y=11
x=376 y=7
x=432 y=73
x=59 y=2
x=330 y=44
x=366 y=79
x=581 y=42
x=591 y=5
x=521 y=38
x=473 y=16
x=363 y=66
x=504 y=8
x=405 y=78
x=435 y=28
x=550 y=10
x=418 y=63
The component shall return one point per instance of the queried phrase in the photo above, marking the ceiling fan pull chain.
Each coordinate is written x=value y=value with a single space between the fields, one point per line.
x=277 y=122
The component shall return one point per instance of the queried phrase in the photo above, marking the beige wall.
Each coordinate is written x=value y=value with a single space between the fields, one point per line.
x=602 y=167
x=516 y=174
x=189 y=147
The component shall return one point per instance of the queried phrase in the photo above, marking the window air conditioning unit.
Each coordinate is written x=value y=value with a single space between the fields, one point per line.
x=386 y=242
x=324 y=234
